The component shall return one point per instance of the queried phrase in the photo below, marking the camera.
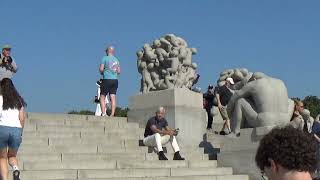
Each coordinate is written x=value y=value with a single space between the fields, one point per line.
x=176 y=131
x=7 y=60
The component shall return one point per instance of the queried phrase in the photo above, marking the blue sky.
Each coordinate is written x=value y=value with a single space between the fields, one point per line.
x=58 y=45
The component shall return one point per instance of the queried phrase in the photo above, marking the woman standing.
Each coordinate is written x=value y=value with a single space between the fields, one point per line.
x=12 y=117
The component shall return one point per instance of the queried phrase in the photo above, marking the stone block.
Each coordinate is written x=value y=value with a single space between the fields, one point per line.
x=184 y=110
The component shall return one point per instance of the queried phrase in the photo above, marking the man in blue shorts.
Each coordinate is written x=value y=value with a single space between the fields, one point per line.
x=110 y=69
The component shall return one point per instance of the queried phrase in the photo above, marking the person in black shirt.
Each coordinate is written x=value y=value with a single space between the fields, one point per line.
x=208 y=99
x=223 y=95
x=157 y=133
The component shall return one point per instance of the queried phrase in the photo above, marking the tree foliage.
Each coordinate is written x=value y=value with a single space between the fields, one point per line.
x=81 y=112
x=120 y=112
x=312 y=103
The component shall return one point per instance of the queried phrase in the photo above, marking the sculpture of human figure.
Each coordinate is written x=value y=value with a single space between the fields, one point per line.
x=166 y=44
x=149 y=54
x=174 y=61
x=160 y=52
x=146 y=78
x=139 y=60
x=168 y=81
x=182 y=42
x=262 y=102
x=181 y=77
x=172 y=39
x=191 y=75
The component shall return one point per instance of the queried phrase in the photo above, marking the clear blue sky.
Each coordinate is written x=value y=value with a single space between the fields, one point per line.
x=58 y=45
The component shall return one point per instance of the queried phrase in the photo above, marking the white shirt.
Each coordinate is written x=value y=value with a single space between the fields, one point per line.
x=9 y=117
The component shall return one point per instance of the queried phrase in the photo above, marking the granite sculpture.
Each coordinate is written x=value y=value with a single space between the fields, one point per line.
x=166 y=64
x=259 y=100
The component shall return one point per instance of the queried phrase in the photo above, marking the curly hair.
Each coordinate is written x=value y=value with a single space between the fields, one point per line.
x=11 y=97
x=291 y=148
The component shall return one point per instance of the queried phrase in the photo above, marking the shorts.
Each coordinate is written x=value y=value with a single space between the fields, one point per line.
x=10 y=137
x=224 y=113
x=109 y=86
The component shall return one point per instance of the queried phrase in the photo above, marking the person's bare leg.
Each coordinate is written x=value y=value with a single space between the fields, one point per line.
x=228 y=125
x=4 y=164
x=12 y=158
x=113 y=104
x=103 y=104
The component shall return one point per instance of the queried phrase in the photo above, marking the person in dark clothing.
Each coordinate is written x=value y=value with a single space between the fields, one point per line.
x=208 y=99
x=157 y=133
x=223 y=95
x=316 y=134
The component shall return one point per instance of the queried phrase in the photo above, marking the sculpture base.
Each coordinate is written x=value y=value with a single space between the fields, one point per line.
x=239 y=153
x=184 y=110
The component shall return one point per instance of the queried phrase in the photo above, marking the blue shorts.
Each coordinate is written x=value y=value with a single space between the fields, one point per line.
x=10 y=137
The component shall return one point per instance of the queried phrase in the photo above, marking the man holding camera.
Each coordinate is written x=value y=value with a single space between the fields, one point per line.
x=157 y=133
x=7 y=64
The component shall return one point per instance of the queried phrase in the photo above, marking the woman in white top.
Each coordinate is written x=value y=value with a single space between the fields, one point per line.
x=12 y=117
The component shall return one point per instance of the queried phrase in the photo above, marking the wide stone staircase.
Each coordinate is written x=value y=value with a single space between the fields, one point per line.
x=61 y=146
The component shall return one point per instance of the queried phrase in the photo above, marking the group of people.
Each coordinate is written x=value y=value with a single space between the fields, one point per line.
x=12 y=116
x=290 y=152
x=220 y=97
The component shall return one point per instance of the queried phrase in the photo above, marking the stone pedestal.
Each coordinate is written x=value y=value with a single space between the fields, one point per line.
x=239 y=153
x=184 y=110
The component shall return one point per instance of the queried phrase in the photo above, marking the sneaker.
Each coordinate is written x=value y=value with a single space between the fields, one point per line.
x=16 y=175
x=162 y=156
x=177 y=156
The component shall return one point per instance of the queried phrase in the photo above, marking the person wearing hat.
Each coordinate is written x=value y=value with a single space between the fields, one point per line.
x=223 y=95
x=208 y=99
x=110 y=69
x=7 y=64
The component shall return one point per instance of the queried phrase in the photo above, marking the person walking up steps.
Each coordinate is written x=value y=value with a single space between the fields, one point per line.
x=12 y=117
x=110 y=69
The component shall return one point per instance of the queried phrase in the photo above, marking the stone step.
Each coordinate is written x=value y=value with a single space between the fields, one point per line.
x=123 y=173
x=56 y=165
x=83 y=124
x=54 y=116
x=89 y=141
x=47 y=175
x=95 y=130
x=27 y=135
x=50 y=175
x=120 y=164
x=36 y=157
x=107 y=135
x=39 y=157
x=82 y=148
x=186 y=155
x=165 y=164
x=65 y=118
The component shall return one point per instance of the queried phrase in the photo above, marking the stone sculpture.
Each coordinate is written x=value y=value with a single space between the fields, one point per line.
x=166 y=64
x=259 y=100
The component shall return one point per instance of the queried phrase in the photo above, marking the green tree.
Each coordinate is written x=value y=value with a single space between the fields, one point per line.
x=81 y=112
x=312 y=103
x=120 y=112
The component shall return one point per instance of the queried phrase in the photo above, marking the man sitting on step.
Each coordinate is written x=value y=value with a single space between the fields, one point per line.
x=157 y=133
